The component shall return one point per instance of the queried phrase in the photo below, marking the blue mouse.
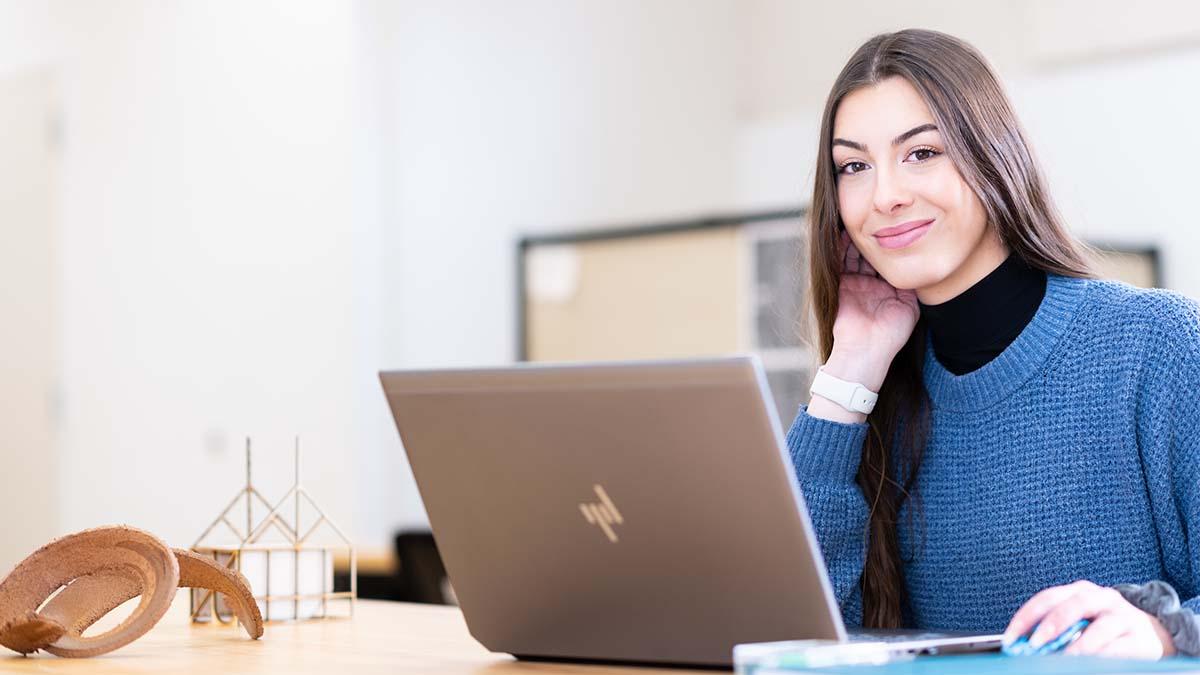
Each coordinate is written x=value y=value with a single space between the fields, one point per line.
x=1020 y=646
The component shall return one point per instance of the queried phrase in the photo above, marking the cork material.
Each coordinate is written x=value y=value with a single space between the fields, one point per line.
x=100 y=569
x=31 y=634
x=203 y=572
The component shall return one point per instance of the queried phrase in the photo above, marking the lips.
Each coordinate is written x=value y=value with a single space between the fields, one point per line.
x=904 y=234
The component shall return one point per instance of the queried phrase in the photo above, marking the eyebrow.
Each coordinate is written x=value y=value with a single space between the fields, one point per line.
x=895 y=141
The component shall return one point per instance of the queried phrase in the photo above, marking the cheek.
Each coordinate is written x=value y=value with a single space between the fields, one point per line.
x=951 y=195
x=972 y=211
x=852 y=205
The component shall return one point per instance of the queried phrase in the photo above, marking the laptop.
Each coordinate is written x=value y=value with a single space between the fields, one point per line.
x=633 y=512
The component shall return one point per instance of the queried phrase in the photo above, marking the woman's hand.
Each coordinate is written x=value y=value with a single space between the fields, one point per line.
x=1117 y=628
x=874 y=318
x=873 y=322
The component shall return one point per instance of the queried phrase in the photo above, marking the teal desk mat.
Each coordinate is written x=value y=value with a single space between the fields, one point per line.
x=988 y=664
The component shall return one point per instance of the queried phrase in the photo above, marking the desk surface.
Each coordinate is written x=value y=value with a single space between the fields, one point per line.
x=383 y=637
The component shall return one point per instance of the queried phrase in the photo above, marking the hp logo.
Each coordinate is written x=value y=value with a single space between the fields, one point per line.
x=604 y=513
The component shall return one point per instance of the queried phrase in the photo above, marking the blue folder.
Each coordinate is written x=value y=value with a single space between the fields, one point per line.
x=988 y=664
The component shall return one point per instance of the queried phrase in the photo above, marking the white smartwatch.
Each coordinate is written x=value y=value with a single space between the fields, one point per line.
x=850 y=395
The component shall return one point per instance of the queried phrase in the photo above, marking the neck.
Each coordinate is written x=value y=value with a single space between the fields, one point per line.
x=974 y=327
x=983 y=261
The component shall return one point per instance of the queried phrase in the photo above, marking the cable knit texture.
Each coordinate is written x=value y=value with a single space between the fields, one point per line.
x=1074 y=454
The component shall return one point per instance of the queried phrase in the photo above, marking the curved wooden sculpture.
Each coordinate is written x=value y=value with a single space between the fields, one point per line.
x=97 y=570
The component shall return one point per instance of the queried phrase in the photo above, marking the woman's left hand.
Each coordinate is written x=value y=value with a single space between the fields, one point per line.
x=1117 y=628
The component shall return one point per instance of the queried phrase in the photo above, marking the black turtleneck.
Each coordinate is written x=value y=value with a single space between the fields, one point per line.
x=975 y=326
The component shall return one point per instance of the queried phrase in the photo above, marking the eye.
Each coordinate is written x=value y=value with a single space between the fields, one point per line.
x=924 y=153
x=845 y=169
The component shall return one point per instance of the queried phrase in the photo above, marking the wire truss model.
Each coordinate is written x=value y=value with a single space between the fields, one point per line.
x=290 y=575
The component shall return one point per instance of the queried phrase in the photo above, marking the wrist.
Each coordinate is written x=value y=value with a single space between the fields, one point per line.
x=1173 y=624
x=864 y=368
x=1164 y=636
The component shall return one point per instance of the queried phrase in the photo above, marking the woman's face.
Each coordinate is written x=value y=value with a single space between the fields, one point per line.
x=903 y=202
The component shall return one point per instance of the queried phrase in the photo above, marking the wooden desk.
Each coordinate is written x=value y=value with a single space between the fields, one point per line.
x=383 y=637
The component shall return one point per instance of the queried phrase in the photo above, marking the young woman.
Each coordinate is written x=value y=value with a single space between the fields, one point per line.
x=1036 y=438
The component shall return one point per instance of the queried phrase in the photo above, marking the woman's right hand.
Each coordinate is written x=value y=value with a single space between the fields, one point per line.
x=874 y=318
x=873 y=322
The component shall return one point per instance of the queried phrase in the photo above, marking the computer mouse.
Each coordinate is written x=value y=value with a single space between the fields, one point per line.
x=1020 y=646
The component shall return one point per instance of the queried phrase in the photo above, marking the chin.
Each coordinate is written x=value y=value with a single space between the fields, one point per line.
x=913 y=277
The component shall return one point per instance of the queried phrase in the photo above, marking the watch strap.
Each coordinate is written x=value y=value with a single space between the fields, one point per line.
x=850 y=395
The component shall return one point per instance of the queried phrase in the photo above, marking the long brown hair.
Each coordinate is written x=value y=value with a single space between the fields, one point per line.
x=987 y=145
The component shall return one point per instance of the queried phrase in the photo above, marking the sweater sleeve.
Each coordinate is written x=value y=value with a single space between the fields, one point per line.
x=1169 y=441
x=1186 y=482
x=1182 y=550
x=826 y=457
x=1177 y=519
x=1185 y=487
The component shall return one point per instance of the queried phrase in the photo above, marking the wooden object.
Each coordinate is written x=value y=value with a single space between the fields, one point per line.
x=98 y=570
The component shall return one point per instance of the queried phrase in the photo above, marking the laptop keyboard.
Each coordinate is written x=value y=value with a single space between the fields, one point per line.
x=910 y=636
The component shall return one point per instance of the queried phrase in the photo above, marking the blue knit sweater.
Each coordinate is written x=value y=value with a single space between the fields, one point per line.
x=1074 y=454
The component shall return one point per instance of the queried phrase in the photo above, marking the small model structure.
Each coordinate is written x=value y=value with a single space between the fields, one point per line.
x=291 y=576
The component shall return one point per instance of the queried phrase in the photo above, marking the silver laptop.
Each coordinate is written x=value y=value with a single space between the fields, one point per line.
x=621 y=512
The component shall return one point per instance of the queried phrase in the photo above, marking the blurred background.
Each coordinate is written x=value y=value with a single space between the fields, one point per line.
x=221 y=219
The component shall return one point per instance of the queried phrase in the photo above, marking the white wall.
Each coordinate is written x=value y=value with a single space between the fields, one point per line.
x=792 y=51
x=1118 y=140
x=28 y=35
x=211 y=233
x=29 y=311
x=1076 y=32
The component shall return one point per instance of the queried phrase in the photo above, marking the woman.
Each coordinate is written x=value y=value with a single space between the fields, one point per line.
x=1035 y=441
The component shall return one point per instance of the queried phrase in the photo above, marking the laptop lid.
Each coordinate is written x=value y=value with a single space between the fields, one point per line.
x=641 y=511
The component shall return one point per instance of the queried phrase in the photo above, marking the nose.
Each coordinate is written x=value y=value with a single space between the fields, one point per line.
x=891 y=193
